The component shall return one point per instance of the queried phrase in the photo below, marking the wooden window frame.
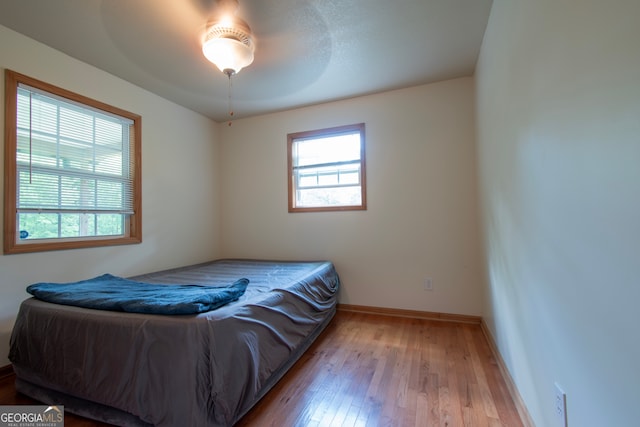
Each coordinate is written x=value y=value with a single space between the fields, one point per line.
x=133 y=224
x=327 y=132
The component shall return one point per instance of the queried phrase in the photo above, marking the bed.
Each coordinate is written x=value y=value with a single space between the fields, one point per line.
x=206 y=369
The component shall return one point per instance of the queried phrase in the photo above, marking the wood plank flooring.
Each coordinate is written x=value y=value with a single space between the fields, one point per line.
x=375 y=370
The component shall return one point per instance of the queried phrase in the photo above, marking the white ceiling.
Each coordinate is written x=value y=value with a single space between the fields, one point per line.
x=308 y=51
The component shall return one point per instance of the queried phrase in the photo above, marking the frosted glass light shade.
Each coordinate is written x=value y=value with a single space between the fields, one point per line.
x=228 y=54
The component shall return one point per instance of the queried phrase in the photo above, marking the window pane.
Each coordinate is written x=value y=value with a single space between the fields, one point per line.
x=350 y=177
x=328 y=178
x=307 y=179
x=70 y=225
x=330 y=149
x=76 y=125
x=109 y=161
x=77 y=225
x=36 y=113
x=41 y=151
x=110 y=224
x=38 y=190
x=38 y=226
x=73 y=155
x=108 y=134
x=318 y=197
x=110 y=194
x=53 y=226
x=329 y=175
x=87 y=225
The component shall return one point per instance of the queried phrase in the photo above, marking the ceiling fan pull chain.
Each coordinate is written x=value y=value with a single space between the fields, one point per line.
x=229 y=73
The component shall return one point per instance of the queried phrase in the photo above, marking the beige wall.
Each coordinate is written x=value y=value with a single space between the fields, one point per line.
x=558 y=101
x=179 y=182
x=421 y=192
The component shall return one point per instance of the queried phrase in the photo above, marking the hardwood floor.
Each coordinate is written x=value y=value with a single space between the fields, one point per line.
x=374 y=370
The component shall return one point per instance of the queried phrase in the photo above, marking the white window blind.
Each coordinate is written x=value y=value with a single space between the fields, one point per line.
x=72 y=159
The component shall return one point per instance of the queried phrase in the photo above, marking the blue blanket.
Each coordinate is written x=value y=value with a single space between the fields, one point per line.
x=114 y=293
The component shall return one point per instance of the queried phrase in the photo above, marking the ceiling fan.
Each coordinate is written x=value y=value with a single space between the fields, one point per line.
x=228 y=41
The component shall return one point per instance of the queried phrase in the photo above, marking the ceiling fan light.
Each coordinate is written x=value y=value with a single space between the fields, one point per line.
x=228 y=53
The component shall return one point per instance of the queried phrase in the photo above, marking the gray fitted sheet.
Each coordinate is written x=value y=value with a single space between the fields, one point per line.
x=192 y=370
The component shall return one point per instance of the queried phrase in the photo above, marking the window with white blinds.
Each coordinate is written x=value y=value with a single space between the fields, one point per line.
x=75 y=168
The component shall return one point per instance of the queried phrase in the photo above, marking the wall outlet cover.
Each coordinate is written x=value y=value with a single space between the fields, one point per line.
x=560 y=406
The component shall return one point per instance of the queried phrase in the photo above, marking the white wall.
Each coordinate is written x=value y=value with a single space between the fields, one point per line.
x=558 y=101
x=180 y=180
x=421 y=193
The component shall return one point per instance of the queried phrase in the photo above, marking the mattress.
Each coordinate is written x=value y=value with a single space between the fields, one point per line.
x=207 y=369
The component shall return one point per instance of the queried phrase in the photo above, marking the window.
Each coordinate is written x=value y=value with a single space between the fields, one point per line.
x=72 y=170
x=327 y=169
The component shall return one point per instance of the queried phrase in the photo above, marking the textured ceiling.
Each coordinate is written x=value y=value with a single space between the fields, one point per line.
x=307 y=52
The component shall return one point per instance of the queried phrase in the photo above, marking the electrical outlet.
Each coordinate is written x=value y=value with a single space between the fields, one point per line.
x=561 y=406
x=428 y=284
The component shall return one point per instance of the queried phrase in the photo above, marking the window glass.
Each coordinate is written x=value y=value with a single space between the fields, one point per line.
x=74 y=180
x=326 y=169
